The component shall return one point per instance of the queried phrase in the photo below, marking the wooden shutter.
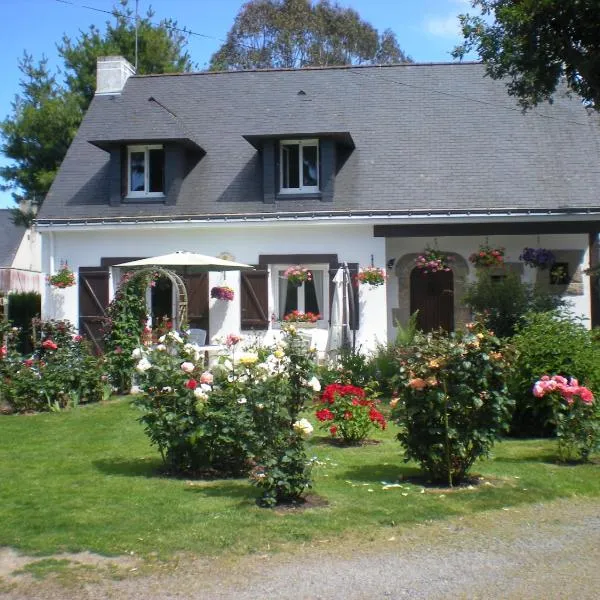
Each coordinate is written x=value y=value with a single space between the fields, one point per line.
x=198 y=303
x=254 y=299
x=93 y=301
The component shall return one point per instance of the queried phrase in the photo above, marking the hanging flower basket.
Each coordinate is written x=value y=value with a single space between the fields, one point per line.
x=302 y=319
x=538 y=258
x=433 y=261
x=63 y=278
x=373 y=276
x=488 y=257
x=297 y=275
x=222 y=292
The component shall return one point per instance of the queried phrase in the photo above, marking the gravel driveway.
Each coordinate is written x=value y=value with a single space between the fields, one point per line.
x=543 y=551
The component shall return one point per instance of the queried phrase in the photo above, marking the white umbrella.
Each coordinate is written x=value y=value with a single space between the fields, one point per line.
x=196 y=262
x=339 y=312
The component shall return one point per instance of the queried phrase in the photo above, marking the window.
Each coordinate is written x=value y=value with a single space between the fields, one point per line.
x=145 y=171
x=311 y=296
x=299 y=162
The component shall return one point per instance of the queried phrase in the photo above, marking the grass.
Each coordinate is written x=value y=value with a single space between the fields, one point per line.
x=88 y=480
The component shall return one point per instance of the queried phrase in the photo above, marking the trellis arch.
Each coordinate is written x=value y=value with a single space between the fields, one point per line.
x=181 y=318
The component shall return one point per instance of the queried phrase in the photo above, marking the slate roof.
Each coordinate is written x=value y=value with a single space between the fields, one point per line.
x=11 y=236
x=436 y=136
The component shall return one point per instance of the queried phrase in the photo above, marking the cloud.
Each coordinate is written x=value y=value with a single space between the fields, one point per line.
x=447 y=27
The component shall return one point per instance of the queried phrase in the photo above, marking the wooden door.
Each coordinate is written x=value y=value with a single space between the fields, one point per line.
x=432 y=294
x=93 y=301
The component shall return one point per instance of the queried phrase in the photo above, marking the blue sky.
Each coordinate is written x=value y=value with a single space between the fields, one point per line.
x=426 y=29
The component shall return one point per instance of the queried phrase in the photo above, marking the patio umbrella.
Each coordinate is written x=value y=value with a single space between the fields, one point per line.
x=339 y=313
x=195 y=262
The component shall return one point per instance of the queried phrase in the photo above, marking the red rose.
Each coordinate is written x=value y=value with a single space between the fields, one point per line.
x=191 y=384
x=49 y=345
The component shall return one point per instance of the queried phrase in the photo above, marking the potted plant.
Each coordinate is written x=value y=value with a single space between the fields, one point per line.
x=373 y=276
x=63 y=278
x=302 y=319
x=488 y=257
x=297 y=275
x=433 y=261
x=538 y=258
x=222 y=292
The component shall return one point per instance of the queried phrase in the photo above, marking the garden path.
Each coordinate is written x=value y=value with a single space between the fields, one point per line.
x=545 y=551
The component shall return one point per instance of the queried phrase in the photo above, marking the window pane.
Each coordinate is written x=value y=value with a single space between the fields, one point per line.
x=290 y=166
x=291 y=298
x=310 y=166
x=157 y=170
x=137 y=161
x=311 y=302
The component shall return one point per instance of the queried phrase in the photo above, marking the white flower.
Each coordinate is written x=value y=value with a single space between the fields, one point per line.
x=143 y=365
x=187 y=367
x=314 y=384
x=260 y=406
x=200 y=394
x=173 y=335
x=161 y=339
x=137 y=353
x=161 y=347
x=166 y=390
x=303 y=428
x=227 y=364
x=242 y=401
x=205 y=387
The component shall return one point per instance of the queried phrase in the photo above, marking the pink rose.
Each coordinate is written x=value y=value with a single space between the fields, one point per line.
x=207 y=378
x=187 y=367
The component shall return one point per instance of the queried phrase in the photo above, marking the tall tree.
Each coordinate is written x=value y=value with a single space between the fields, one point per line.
x=536 y=44
x=47 y=113
x=296 y=33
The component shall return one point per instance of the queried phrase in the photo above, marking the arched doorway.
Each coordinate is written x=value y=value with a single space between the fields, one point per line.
x=432 y=294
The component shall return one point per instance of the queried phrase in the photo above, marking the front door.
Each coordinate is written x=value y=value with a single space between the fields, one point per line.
x=432 y=294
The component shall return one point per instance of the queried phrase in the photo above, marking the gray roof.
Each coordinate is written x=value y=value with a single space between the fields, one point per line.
x=11 y=236
x=437 y=137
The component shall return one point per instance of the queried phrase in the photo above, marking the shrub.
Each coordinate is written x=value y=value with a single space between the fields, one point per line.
x=62 y=372
x=454 y=402
x=503 y=302
x=551 y=342
x=346 y=411
x=575 y=414
x=22 y=308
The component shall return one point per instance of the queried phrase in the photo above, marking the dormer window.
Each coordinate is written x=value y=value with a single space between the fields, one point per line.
x=299 y=162
x=145 y=171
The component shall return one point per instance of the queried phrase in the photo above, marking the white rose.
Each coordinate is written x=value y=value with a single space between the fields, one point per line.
x=137 y=353
x=200 y=394
x=314 y=384
x=205 y=387
x=242 y=401
x=187 y=367
x=175 y=336
x=303 y=428
x=161 y=347
x=143 y=365
x=167 y=390
x=161 y=339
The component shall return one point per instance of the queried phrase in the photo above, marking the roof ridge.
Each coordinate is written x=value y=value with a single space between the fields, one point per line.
x=310 y=68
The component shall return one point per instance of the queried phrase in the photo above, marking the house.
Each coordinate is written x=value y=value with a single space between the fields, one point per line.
x=320 y=167
x=20 y=257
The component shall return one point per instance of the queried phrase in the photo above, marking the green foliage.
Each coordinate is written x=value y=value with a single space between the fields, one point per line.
x=454 y=401
x=536 y=45
x=298 y=33
x=46 y=114
x=22 y=308
x=549 y=343
x=61 y=373
x=126 y=320
x=577 y=429
x=503 y=300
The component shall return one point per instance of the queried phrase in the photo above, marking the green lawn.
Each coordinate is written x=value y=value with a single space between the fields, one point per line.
x=88 y=480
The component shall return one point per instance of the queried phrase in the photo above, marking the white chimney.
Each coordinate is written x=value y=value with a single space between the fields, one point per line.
x=111 y=74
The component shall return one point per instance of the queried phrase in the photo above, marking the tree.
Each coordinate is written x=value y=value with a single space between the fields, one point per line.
x=296 y=33
x=46 y=114
x=537 y=44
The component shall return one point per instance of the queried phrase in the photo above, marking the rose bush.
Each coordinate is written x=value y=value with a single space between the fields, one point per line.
x=453 y=401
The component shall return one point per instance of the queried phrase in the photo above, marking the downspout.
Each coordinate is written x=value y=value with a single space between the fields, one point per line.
x=51 y=253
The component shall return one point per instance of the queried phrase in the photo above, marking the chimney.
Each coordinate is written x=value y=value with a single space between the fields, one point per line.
x=111 y=74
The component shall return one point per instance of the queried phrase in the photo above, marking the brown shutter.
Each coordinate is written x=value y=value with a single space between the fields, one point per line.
x=254 y=299
x=93 y=300
x=196 y=285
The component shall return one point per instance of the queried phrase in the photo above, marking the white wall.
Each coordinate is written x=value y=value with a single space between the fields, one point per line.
x=465 y=246
x=245 y=241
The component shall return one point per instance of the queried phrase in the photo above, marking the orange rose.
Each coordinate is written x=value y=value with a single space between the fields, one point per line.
x=417 y=383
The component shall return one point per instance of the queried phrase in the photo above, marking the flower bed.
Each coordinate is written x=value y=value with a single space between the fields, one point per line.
x=306 y=318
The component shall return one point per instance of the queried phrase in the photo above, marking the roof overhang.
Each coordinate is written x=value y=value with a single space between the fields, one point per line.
x=109 y=144
x=343 y=138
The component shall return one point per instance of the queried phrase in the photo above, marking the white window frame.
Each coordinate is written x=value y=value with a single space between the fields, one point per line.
x=276 y=281
x=146 y=150
x=308 y=189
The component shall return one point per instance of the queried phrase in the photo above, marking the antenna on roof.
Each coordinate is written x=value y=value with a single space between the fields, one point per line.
x=137 y=20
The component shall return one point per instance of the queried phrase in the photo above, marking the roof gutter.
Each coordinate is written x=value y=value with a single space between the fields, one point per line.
x=372 y=217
